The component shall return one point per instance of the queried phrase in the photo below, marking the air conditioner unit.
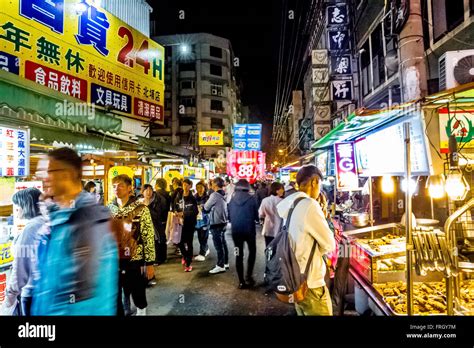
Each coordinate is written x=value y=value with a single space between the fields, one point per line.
x=456 y=68
x=214 y=91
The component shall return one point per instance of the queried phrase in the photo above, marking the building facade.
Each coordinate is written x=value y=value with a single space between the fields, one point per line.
x=201 y=90
x=136 y=13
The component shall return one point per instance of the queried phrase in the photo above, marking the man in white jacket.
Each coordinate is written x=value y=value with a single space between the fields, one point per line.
x=307 y=225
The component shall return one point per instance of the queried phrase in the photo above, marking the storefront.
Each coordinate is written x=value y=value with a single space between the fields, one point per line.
x=366 y=156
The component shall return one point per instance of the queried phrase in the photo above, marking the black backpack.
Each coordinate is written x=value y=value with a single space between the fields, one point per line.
x=282 y=272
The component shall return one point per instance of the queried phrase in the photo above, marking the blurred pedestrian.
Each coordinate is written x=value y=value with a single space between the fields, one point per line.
x=216 y=206
x=202 y=225
x=160 y=188
x=268 y=212
x=90 y=187
x=187 y=209
x=177 y=190
x=137 y=257
x=290 y=189
x=243 y=215
x=78 y=263
x=160 y=191
x=19 y=290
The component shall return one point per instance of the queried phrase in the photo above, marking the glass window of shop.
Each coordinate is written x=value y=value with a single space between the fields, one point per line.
x=446 y=15
x=378 y=56
x=365 y=69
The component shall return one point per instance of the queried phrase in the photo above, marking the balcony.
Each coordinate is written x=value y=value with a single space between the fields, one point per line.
x=188 y=92
x=187 y=75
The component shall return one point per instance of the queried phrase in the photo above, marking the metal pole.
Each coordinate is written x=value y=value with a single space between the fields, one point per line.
x=371 y=203
x=408 y=212
x=432 y=209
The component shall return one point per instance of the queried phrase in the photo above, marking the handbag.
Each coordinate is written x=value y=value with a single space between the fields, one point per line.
x=177 y=229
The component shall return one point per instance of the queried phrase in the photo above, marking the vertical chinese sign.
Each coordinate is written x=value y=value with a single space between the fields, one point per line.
x=339 y=43
x=14 y=152
x=77 y=48
x=346 y=169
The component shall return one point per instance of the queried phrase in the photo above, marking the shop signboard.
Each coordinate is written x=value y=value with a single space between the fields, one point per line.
x=339 y=40
x=77 y=48
x=249 y=165
x=322 y=162
x=194 y=172
x=14 y=152
x=341 y=90
x=337 y=14
x=346 y=169
x=211 y=138
x=247 y=137
x=341 y=65
x=459 y=123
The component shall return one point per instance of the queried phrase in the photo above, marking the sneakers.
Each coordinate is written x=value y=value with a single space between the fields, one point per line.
x=207 y=252
x=200 y=258
x=243 y=286
x=216 y=270
x=226 y=266
x=141 y=312
x=188 y=269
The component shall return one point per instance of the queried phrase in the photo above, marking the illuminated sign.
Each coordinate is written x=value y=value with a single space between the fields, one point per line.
x=346 y=170
x=249 y=165
x=247 y=137
x=460 y=123
x=14 y=152
x=77 y=48
x=211 y=138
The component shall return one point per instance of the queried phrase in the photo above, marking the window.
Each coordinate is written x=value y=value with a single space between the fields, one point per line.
x=216 y=70
x=188 y=84
x=447 y=15
x=217 y=123
x=215 y=52
x=378 y=56
x=188 y=102
x=217 y=89
x=187 y=121
x=365 y=69
x=187 y=67
x=217 y=105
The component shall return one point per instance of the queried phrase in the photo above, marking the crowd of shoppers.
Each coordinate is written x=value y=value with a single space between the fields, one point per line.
x=87 y=259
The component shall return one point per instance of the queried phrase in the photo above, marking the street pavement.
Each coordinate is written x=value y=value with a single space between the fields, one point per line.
x=201 y=293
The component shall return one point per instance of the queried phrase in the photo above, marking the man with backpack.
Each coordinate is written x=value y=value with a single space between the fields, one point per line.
x=311 y=238
x=78 y=258
x=136 y=243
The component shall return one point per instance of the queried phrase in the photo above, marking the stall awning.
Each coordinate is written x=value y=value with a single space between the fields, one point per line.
x=360 y=123
x=154 y=145
x=460 y=94
x=21 y=94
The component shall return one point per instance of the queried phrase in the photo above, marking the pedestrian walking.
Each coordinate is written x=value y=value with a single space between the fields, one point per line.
x=137 y=256
x=308 y=228
x=19 y=289
x=290 y=188
x=160 y=191
x=268 y=212
x=176 y=193
x=243 y=215
x=187 y=209
x=262 y=193
x=229 y=189
x=160 y=188
x=78 y=263
x=202 y=225
x=216 y=206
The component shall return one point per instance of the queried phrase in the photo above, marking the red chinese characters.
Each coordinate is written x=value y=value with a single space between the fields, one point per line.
x=146 y=109
x=56 y=80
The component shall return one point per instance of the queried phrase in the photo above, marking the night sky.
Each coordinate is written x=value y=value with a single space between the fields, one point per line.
x=252 y=26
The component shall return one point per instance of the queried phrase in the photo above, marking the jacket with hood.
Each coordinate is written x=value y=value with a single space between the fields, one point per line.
x=77 y=262
x=216 y=206
x=307 y=225
x=243 y=213
x=146 y=242
x=268 y=211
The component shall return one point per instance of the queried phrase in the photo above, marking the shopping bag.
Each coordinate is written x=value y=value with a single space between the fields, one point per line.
x=177 y=229
x=169 y=225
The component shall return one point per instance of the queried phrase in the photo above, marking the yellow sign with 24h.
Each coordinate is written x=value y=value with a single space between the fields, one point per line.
x=79 y=49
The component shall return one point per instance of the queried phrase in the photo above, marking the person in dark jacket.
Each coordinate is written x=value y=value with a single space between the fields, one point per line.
x=177 y=191
x=156 y=203
x=160 y=188
x=187 y=208
x=216 y=206
x=202 y=225
x=243 y=215
x=261 y=193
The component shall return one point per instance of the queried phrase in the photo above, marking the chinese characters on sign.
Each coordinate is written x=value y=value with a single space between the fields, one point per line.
x=341 y=90
x=337 y=15
x=247 y=137
x=74 y=44
x=341 y=65
x=460 y=123
x=109 y=98
x=346 y=168
x=14 y=152
x=249 y=165
x=211 y=138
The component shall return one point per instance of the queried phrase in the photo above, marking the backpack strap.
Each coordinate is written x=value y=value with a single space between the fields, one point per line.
x=313 y=248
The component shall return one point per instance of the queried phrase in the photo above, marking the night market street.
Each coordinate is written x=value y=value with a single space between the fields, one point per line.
x=201 y=293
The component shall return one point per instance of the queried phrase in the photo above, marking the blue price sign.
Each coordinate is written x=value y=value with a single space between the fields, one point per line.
x=247 y=137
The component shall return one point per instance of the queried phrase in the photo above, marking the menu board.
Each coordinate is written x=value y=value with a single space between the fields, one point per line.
x=383 y=152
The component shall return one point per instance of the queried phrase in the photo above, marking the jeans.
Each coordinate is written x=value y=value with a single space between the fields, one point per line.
x=239 y=240
x=186 y=244
x=268 y=240
x=25 y=306
x=218 y=236
x=133 y=283
x=203 y=235
x=316 y=302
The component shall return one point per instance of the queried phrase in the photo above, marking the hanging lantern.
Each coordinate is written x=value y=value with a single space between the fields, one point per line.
x=456 y=185
x=436 y=186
